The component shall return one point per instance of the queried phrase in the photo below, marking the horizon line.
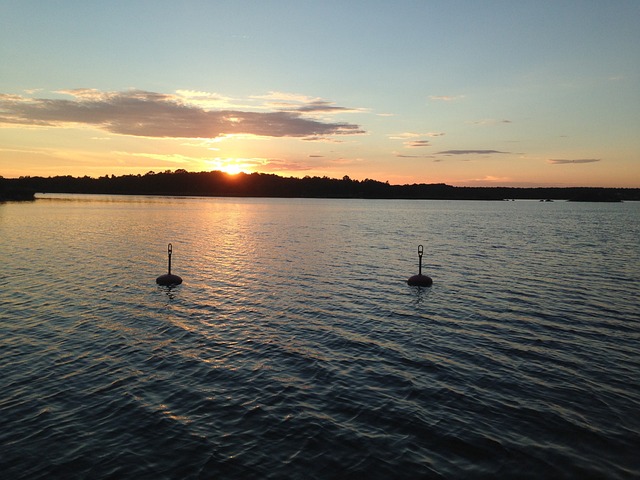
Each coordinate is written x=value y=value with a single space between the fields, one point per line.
x=345 y=177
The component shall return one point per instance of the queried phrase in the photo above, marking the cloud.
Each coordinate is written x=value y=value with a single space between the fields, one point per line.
x=294 y=102
x=151 y=114
x=418 y=143
x=235 y=164
x=275 y=164
x=286 y=97
x=489 y=121
x=558 y=161
x=470 y=152
x=207 y=100
x=25 y=151
x=167 y=158
x=489 y=180
x=402 y=155
x=446 y=98
x=323 y=107
x=318 y=138
x=407 y=135
x=403 y=136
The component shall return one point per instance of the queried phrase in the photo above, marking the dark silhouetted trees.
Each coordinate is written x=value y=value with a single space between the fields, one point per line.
x=216 y=183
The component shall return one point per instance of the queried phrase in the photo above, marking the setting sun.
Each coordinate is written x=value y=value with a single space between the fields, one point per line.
x=232 y=166
x=232 y=169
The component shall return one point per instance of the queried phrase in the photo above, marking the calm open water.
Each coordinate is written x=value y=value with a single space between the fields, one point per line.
x=295 y=349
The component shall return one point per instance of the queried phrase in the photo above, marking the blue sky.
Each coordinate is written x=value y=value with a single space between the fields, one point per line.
x=460 y=92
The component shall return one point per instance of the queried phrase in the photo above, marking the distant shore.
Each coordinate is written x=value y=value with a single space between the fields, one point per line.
x=17 y=195
x=220 y=184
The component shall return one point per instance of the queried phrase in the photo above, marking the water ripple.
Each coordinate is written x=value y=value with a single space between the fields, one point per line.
x=295 y=349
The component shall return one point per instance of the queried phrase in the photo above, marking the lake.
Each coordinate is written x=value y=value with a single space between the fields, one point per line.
x=294 y=347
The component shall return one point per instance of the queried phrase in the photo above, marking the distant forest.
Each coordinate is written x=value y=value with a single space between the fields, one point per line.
x=215 y=183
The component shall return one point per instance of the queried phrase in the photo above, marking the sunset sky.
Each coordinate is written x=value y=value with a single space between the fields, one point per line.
x=515 y=93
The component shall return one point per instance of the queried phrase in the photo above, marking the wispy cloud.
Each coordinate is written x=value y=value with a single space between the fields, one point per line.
x=279 y=165
x=322 y=106
x=234 y=164
x=492 y=178
x=167 y=158
x=490 y=121
x=408 y=135
x=293 y=102
x=561 y=161
x=489 y=180
x=402 y=136
x=446 y=98
x=151 y=114
x=471 y=152
x=321 y=139
x=278 y=97
x=417 y=143
x=207 y=100
x=402 y=155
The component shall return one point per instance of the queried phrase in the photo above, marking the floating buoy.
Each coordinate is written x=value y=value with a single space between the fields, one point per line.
x=169 y=278
x=420 y=280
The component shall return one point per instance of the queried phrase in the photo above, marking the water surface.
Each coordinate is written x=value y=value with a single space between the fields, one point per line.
x=295 y=349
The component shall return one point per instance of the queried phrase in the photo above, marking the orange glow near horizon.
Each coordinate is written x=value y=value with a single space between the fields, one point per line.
x=232 y=166
x=232 y=169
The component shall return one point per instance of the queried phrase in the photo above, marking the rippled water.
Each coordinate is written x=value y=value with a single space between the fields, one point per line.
x=295 y=349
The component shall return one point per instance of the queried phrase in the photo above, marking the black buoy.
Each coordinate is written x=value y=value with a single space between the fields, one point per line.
x=420 y=280
x=169 y=278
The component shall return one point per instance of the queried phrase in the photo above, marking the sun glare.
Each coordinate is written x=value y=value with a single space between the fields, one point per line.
x=232 y=166
x=232 y=169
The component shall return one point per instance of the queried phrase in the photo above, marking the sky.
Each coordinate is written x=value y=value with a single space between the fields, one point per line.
x=475 y=93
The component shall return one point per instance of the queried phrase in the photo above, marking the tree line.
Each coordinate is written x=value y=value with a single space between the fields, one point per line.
x=216 y=183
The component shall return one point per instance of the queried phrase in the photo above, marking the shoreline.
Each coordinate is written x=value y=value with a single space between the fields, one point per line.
x=219 y=184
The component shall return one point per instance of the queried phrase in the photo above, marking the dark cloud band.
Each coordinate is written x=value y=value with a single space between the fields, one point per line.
x=557 y=161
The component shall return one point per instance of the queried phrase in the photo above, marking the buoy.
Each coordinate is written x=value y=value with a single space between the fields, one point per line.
x=169 y=278
x=420 y=280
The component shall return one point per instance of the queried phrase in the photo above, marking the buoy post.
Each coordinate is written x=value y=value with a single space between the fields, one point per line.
x=420 y=251
x=420 y=280
x=169 y=278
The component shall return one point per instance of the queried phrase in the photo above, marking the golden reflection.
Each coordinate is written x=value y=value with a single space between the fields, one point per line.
x=166 y=411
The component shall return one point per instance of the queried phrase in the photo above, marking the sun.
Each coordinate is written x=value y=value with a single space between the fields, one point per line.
x=232 y=169
x=232 y=166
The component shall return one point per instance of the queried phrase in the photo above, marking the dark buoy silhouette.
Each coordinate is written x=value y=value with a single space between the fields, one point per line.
x=169 y=278
x=420 y=280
